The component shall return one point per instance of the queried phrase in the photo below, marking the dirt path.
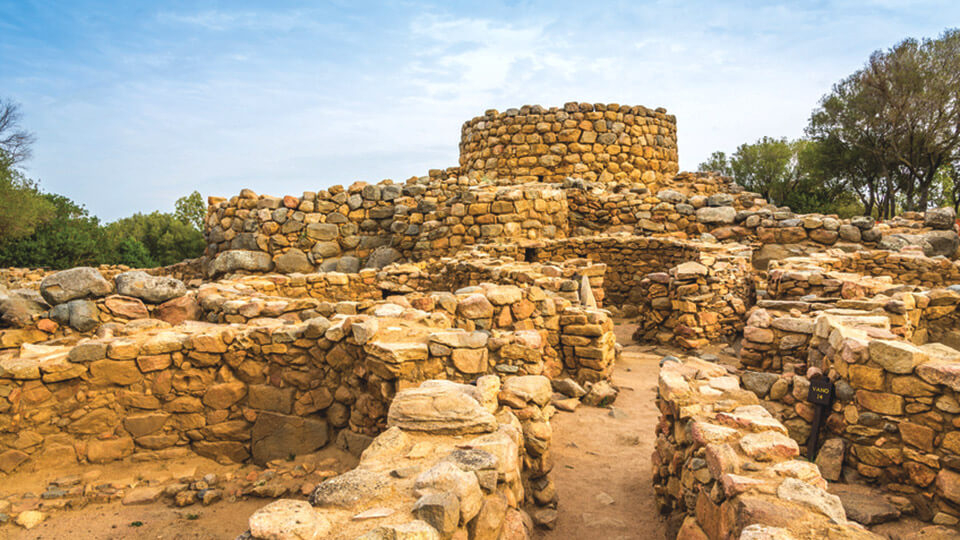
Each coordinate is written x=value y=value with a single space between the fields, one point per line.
x=602 y=463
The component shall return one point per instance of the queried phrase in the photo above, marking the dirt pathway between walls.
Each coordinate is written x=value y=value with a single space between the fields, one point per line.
x=602 y=458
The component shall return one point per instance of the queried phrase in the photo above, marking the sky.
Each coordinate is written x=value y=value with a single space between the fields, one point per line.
x=134 y=104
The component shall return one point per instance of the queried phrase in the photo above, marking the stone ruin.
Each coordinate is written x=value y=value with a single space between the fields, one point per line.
x=432 y=328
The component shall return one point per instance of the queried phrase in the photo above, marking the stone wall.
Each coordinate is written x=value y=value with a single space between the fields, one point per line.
x=438 y=471
x=909 y=267
x=894 y=419
x=604 y=142
x=696 y=302
x=370 y=225
x=724 y=468
x=282 y=345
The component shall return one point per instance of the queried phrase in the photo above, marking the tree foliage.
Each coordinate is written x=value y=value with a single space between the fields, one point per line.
x=190 y=210
x=895 y=123
x=71 y=237
x=166 y=239
x=788 y=173
x=22 y=207
x=48 y=230
x=885 y=139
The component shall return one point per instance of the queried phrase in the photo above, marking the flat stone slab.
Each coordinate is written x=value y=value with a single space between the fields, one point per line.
x=864 y=505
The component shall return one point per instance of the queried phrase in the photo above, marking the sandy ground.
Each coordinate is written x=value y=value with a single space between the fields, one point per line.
x=155 y=521
x=602 y=464
x=158 y=520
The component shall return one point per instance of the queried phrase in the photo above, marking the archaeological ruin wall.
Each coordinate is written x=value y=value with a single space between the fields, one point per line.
x=602 y=142
x=345 y=314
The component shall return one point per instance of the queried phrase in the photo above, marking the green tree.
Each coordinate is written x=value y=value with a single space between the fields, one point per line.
x=132 y=252
x=71 y=237
x=897 y=120
x=167 y=239
x=22 y=207
x=191 y=210
x=768 y=167
x=716 y=162
x=798 y=174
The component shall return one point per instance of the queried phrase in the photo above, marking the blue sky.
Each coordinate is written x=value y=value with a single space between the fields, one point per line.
x=138 y=103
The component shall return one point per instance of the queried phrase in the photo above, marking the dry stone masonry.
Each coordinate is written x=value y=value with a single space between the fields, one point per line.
x=432 y=327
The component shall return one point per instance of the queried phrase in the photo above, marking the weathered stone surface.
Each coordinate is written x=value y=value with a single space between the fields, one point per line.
x=948 y=485
x=72 y=284
x=446 y=477
x=881 y=402
x=801 y=492
x=103 y=451
x=769 y=445
x=234 y=260
x=11 y=459
x=757 y=382
x=126 y=307
x=440 y=407
x=937 y=372
x=601 y=394
x=143 y=495
x=714 y=215
x=865 y=506
x=29 y=519
x=278 y=436
x=119 y=372
x=18 y=307
x=830 y=459
x=151 y=289
x=475 y=306
x=440 y=510
x=489 y=522
x=349 y=488
x=178 y=310
x=896 y=356
x=940 y=218
x=940 y=243
x=294 y=261
x=382 y=256
x=763 y=532
x=288 y=519
x=530 y=388
x=222 y=451
x=222 y=396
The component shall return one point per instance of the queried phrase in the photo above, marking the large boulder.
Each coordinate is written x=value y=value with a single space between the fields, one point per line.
x=279 y=436
x=382 y=256
x=287 y=519
x=238 y=259
x=79 y=282
x=81 y=315
x=896 y=242
x=19 y=306
x=940 y=218
x=350 y=488
x=933 y=243
x=151 y=289
x=716 y=214
x=184 y=308
x=940 y=243
x=440 y=407
x=772 y=252
x=294 y=261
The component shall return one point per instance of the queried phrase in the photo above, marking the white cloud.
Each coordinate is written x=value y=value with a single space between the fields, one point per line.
x=284 y=101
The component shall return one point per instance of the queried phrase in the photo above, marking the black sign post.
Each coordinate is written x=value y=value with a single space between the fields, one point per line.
x=821 y=395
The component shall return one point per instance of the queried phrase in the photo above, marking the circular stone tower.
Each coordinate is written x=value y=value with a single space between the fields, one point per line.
x=596 y=142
